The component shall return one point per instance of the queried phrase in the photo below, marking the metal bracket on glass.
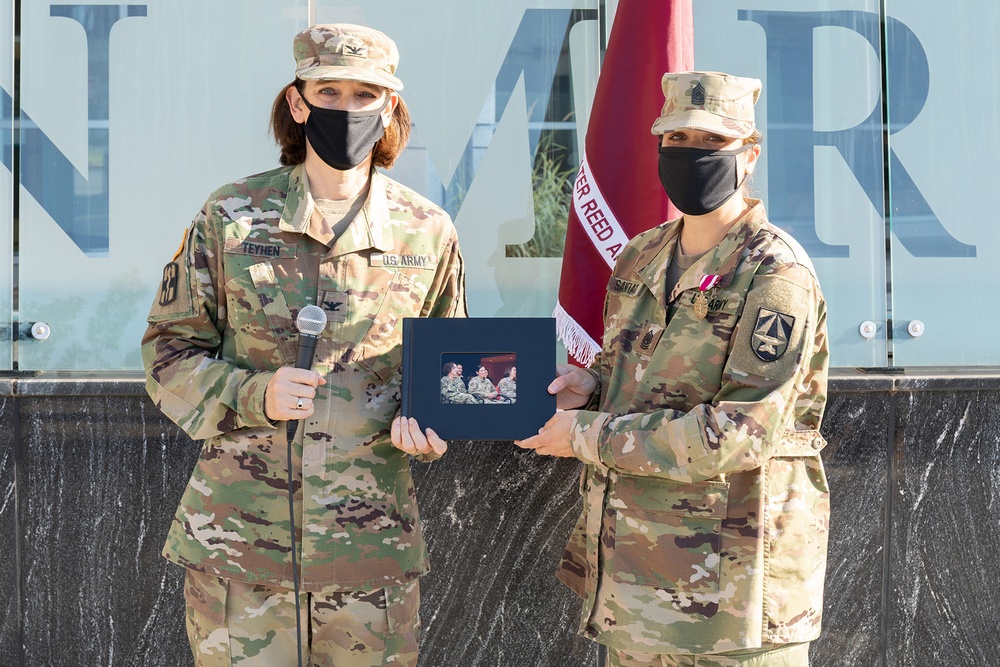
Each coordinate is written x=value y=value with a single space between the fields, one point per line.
x=34 y=331
x=867 y=329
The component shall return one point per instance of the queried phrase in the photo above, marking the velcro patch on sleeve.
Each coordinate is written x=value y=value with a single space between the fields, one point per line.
x=174 y=298
x=770 y=335
x=168 y=286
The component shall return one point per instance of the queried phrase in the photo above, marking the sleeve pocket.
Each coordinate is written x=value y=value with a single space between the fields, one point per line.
x=206 y=595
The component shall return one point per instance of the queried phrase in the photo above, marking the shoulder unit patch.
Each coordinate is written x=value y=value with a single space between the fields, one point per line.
x=168 y=286
x=771 y=334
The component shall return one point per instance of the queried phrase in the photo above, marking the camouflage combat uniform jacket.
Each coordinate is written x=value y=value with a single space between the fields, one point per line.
x=224 y=321
x=481 y=387
x=706 y=506
x=453 y=390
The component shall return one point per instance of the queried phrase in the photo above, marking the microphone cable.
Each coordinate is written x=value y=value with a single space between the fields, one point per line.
x=310 y=324
x=290 y=435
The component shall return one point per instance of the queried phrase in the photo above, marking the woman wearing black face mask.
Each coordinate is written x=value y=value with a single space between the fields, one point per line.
x=703 y=535
x=326 y=230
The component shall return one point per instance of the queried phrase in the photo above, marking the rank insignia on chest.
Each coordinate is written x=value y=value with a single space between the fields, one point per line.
x=771 y=334
x=168 y=286
x=334 y=304
x=648 y=339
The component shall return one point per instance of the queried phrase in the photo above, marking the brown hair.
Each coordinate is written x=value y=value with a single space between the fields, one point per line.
x=291 y=137
x=755 y=138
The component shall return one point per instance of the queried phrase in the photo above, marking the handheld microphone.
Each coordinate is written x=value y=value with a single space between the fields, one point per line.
x=310 y=324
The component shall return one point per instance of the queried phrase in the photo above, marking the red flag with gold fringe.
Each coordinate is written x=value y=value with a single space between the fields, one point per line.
x=617 y=192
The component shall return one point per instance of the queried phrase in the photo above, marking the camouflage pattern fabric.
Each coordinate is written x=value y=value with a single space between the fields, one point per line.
x=232 y=622
x=708 y=101
x=453 y=391
x=786 y=655
x=483 y=388
x=706 y=506
x=345 y=51
x=508 y=388
x=224 y=320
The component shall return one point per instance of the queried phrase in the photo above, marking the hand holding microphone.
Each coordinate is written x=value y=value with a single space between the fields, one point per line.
x=290 y=392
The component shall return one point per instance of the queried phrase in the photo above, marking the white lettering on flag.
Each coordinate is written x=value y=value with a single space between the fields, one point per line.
x=596 y=217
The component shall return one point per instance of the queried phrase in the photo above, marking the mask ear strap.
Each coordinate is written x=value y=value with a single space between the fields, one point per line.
x=746 y=174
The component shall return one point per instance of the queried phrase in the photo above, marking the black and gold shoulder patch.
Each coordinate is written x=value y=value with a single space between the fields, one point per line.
x=771 y=334
x=168 y=286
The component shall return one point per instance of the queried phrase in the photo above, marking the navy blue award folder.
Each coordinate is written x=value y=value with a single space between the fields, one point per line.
x=496 y=369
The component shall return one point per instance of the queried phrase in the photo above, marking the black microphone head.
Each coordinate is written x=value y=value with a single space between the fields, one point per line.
x=311 y=321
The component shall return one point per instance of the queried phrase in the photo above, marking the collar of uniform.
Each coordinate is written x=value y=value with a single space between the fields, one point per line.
x=654 y=258
x=369 y=229
x=299 y=204
x=724 y=258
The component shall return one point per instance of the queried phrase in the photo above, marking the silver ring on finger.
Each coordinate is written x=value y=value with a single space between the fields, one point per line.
x=299 y=404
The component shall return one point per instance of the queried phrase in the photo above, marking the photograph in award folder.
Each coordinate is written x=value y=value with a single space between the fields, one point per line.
x=479 y=378
x=468 y=378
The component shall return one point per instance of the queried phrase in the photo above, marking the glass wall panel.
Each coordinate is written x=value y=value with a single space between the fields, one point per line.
x=944 y=91
x=6 y=180
x=822 y=168
x=157 y=104
x=499 y=94
x=131 y=115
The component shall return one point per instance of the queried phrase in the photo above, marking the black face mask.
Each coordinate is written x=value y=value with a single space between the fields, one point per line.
x=343 y=139
x=698 y=180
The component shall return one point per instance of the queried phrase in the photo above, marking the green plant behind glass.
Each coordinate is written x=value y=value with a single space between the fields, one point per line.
x=552 y=186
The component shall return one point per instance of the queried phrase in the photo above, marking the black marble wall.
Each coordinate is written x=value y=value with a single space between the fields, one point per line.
x=90 y=474
x=10 y=640
x=944 y=600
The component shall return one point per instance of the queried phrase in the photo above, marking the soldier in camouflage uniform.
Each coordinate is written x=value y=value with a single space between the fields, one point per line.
x=453 y=388
x=508 y=384
x=481 y=387
x=705 y=505
x=329 y=230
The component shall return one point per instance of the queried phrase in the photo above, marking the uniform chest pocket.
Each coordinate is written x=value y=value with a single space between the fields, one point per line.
x=381 y=347
x=668 y=535
x=258 y=315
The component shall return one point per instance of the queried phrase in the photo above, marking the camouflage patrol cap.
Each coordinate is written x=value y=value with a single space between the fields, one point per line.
x=345 y=51
x=709 y=101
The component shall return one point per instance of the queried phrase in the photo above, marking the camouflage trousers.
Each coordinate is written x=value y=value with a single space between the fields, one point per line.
x=783 y=655
x=235 y=623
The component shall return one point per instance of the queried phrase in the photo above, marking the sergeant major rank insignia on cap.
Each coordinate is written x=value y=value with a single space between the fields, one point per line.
x=698 y=94
x=771 y=334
